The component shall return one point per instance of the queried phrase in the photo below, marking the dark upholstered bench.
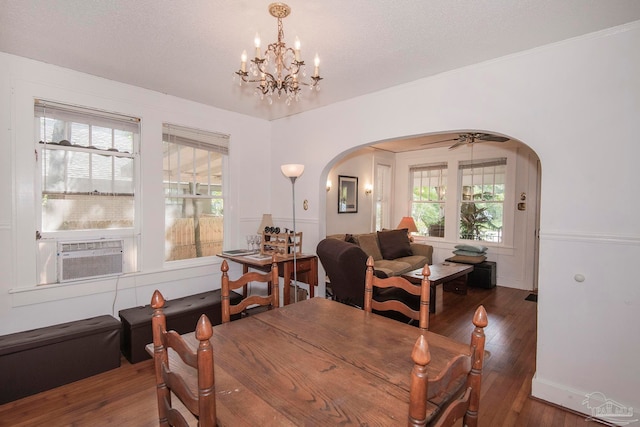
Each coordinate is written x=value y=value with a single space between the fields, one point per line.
x=182 y=315
x=45 y=358
x=483 y=274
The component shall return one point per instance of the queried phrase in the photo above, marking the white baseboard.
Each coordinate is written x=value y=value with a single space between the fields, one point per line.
x=578 y=401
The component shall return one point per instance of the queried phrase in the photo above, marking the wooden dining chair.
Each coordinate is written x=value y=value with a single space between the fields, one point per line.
x=455 y=392
x=389 y=296
x=271 y=300
x=198 y=398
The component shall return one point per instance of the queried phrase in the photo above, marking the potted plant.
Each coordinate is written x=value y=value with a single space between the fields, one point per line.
x=472 y=220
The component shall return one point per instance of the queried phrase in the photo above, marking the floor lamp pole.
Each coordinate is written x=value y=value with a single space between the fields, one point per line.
x=293 y=171
x=295 y=265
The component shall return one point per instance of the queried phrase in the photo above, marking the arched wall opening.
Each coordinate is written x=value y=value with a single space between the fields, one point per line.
x=516 y=254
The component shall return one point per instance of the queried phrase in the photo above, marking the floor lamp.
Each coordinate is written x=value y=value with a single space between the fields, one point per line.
x=293 y=171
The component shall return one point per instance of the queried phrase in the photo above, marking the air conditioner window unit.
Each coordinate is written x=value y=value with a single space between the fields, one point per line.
x=89 y=259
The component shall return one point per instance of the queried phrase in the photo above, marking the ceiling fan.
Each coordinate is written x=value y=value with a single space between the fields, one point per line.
x=471 y=138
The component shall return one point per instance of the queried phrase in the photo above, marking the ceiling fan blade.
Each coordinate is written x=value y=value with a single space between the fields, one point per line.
x=490 y=137
x=457 y=144
x=438 y=142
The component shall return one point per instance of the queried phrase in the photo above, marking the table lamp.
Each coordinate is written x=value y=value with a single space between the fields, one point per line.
x=408 y=223
x=267 y=221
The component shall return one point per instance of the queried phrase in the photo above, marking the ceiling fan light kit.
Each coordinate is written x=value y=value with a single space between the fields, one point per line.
x=280 y=70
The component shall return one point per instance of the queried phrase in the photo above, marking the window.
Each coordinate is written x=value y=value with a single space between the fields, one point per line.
x=482 y=192
x=429 y=188
x=87 y=168
x=194 y=163
x=86 y=184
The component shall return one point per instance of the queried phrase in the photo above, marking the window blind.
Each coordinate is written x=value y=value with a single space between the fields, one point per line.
x=429 y=167
x=469 y=164
x=200 y=139
x=70 y=113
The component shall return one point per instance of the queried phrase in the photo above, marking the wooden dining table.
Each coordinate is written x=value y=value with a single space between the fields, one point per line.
x=316 y=362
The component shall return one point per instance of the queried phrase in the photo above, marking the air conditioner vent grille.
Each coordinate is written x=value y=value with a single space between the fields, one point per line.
x=89 y=259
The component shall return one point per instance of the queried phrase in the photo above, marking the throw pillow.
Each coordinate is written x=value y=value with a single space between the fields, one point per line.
x=472 y=248
x=369 y=244
x=394 y=243
x=463 y=259
x=468 y=253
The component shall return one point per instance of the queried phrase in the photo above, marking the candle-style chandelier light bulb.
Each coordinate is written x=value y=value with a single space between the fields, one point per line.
x=280 y=70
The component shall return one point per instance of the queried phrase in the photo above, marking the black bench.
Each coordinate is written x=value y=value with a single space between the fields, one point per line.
x=45 y=358
x=182 y=314
x=483 y=274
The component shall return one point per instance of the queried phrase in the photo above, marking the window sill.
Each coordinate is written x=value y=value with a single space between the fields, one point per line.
x=39 y=294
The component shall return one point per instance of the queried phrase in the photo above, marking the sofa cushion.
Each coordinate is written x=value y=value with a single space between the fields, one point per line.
x=423 y=250
x=392 y=267
x=399 y=266
x=415 y=261
x=369 y=244
x=394 y=243
x=341 y=236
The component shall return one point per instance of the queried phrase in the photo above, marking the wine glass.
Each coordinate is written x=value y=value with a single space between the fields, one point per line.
x=258 y=241
x=249 y=242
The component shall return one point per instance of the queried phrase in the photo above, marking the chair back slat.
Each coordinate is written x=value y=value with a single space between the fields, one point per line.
x=175 y=341
x=456 y=372
x=271 y=300
x=421 y=314
x=199 y=400
x=455 y=391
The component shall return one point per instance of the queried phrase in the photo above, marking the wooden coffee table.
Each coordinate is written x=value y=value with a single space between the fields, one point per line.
x=449 y=275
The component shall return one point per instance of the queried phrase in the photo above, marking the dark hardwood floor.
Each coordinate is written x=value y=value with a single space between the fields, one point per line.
x=126 y=396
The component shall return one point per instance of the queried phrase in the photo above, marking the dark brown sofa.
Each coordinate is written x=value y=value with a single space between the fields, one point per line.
x=346 y=264
x=391 y=250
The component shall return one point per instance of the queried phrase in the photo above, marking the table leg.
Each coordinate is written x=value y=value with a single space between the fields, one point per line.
x=313 y=280
x=245 y=269
x=437 y=306
x=286 y=291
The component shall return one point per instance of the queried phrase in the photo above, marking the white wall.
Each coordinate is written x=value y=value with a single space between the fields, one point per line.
x=360 y=165
x=576 y=105
x=25 y=306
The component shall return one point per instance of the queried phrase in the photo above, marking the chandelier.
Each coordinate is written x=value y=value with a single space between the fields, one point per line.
x=279 y=71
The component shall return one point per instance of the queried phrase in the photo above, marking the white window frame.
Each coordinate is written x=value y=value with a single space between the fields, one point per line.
x=442 y=198
x=462 y=195
x=47 y=241
x=203 y=140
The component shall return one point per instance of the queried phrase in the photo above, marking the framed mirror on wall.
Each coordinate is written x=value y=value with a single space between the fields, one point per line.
x=347 y=194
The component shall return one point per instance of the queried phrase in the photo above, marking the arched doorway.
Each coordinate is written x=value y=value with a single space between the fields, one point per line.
x=515 y=250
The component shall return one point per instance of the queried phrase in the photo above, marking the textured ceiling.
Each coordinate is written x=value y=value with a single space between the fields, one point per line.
x=190 y=48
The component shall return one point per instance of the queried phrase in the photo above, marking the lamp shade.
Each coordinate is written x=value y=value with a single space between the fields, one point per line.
x=292 y=170
x=267 y=221
x=408 y=223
